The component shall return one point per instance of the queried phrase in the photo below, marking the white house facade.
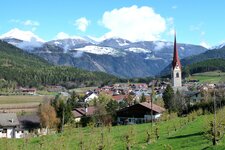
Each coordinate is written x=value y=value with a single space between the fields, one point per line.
x=9 y=126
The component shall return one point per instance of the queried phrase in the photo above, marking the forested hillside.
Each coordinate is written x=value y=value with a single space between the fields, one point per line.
x=25 y=69
x=207 y=65
x=206 y=58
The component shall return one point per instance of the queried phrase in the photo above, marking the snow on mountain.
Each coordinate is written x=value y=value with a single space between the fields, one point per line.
x=21 y=35
x=182 y=48
x=138 y=50
x=115 y=42
x=22 y=39
x=69 y=44
x=218 y=46
x=122 y=42
x=152 y=57
x=160 y=45
x=99 y=50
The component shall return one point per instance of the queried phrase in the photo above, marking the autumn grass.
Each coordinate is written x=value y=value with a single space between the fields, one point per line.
x=186 y=136
x=20 y=99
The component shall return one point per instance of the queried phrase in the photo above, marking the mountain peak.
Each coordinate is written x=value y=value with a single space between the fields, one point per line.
x=16 y=33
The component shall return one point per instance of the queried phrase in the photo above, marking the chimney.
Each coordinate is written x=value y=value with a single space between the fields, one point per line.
x=86 y=109
x=12 y=120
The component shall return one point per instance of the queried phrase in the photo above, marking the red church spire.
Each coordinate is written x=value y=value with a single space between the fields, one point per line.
x=176 y=60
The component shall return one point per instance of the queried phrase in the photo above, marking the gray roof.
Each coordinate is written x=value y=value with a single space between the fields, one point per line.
x=8 y=120
x=29 y=121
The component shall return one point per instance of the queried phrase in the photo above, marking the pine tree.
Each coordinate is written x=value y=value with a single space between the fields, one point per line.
x=168 y=97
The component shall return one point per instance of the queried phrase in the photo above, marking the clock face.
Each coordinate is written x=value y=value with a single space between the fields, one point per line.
x=177 y=66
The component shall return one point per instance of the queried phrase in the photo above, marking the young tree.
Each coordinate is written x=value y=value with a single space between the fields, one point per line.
x=143 y=98
x=168 y=98
x=73 y=100
x=101 y=116
x=129 y=99
x=111 y=108
x=123 y=104
x=180 y=104
x=63 y=110
x=48 y=116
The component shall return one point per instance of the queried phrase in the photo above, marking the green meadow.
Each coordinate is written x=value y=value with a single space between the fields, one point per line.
x=210 y=77
x=174 y=134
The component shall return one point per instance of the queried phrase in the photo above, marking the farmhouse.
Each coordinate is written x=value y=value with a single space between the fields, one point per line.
x=90 y=96
x=29 y=122
x=139 y=113
x=82 y=112
x=28 y=91
x=9 y=126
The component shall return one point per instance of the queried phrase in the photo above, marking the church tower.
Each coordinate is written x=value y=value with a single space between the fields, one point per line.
x=176 y=67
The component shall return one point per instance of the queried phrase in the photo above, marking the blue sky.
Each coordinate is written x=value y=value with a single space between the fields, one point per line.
x=196 y=21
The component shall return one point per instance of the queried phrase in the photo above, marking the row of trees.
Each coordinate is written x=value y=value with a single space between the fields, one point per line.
x=213 y=102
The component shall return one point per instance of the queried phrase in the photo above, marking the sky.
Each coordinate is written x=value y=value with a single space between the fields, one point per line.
x=199 y=22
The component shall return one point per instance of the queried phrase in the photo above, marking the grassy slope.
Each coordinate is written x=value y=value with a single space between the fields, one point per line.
x=185 y=138
x=210 y=77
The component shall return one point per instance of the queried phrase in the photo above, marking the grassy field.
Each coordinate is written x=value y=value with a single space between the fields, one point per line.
x=186 y=137
x=83 y=90
x=20 y=103
x=20 y=99
x=209 y=77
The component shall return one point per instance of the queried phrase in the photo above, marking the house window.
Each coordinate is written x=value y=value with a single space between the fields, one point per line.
x=4 y=131
x=177 y=75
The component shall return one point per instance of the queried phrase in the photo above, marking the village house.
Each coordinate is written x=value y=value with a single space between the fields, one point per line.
x=55 y=88
x=90 y=96
x=118 y=98
x=139 y=113
x=193 y=97
x=10 y=126
x=28 y=91
x=29 y=122
x=83 y=115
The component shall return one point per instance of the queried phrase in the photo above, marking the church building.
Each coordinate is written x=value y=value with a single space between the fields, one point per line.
x=176 y=67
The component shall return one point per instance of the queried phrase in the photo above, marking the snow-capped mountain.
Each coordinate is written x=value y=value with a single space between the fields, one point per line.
x=22 y=39
x=115 y=42
x=116 y=56
x=69 y=44
x=99 y=50
x=21 y=35
x=218 y=46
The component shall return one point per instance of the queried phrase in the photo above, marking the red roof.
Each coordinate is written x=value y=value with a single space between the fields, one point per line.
x=118 y=97
x=176 y=60
x=154 y=107
x=79 y=112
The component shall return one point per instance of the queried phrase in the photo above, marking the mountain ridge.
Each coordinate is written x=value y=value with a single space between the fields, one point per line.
x=115 y=56
x=27 y=69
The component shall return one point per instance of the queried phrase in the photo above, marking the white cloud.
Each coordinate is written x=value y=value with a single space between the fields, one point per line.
x=62 y=35
x=174 y=7
x=134 y=23
x=82 y=24
x=29 y=23
x=202 y=33
x=170 y=21
x=205 y=44
x=197 y=27
x=171 y=32
x=160 y=45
